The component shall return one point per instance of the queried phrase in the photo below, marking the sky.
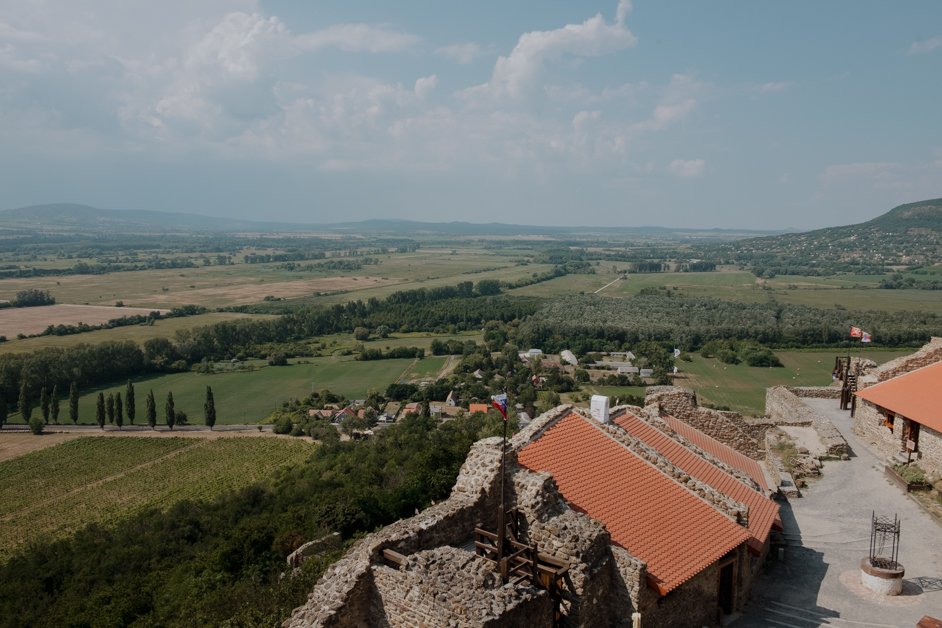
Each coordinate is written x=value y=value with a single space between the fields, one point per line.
x=736 y=114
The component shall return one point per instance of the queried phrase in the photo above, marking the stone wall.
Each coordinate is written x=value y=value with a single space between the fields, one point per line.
x=815 y=392
x=930 y=353
x=930 y=452
x=340 y=594
x=449 y=586
x=869 y=426
x=784 y=407
x=729 y=428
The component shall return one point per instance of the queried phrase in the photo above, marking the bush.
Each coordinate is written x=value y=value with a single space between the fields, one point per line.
x=910 y=473
x=283 y=423
x=36 y=425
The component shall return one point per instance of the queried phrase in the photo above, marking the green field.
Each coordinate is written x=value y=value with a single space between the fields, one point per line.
x=50 y=493
x=848 y=291
x=249 y=396
x=138 y=333
x=742 y=388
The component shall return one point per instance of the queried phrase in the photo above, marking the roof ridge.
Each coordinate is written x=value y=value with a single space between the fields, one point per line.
x=737 y=511
x=902 y=375
x=668 y=431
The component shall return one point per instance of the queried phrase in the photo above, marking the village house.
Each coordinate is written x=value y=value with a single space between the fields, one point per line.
x=898 y=408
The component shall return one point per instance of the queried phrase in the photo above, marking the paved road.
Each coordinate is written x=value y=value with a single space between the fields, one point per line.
x=828 y=532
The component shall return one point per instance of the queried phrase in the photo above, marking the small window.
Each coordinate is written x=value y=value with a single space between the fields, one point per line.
x=889 y=419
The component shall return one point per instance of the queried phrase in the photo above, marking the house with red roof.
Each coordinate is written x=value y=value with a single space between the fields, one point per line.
x=902 y=415
x=616 y=520
x=700 y=527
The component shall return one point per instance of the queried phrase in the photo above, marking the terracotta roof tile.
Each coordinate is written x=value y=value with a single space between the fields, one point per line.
x=676 y=533
x=914 y=395
x=763 y=512
x=722 y=452
x=478 y=407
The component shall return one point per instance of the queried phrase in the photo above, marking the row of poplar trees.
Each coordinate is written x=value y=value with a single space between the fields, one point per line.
x=112 y=407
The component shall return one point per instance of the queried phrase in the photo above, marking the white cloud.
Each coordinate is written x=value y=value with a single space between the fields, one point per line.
x=464 y=54
x=357 y=38
x=515 y=73
x=773 y=87
x=686 y=168
x=925 y=46
x=425 y=85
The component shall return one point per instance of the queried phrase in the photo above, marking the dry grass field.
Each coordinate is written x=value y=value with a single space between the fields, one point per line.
x=163 y=328
x=33 y=320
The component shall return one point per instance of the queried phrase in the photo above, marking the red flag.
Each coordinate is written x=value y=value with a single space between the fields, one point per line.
x=856 y=332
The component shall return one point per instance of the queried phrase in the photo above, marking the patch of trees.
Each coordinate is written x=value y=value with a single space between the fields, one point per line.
x=590 y=323
x=898 y=281
x=736 y=351
x=390 y=354
x=123 y=321
x=33 y=297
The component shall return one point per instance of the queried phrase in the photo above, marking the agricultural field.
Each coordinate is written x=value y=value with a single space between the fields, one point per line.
x=742 y=388
x=138 y=333
x=240 y=283
x=247 y=396
x=33 y=320
x=48 y=494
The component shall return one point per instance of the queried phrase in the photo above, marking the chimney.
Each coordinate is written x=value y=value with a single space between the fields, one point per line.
x=599 y=408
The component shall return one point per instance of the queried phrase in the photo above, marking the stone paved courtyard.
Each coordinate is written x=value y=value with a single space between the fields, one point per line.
x=828 y=532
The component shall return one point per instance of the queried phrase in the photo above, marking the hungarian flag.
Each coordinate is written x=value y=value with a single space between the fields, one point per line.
x=500 y=402
x=856 y=332
x=865 y=337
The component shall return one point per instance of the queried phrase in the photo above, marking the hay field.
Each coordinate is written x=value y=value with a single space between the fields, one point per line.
x=33 y=320
x=138 y=333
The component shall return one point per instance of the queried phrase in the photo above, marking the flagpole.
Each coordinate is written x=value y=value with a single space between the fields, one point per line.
x=501 y=531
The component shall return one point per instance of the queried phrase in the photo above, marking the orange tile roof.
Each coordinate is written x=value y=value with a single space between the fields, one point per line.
x=914 y=395
x=478 y=407
x=723 y=453
x=676 y=533
x=763 y=512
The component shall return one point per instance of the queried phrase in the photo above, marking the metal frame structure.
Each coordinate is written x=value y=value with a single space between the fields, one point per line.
x=884 y=541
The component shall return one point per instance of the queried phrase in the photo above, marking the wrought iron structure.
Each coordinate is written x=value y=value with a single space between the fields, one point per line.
x=884 y=541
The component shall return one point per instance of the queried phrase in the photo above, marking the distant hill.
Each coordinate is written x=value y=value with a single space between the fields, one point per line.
x=83 y=218
x=67 y=217
x=906 y=236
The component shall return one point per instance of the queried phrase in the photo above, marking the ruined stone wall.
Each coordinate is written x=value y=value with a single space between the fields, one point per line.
x=930 y=353
x=348 y=583
x=447 y=586
x=729 y=428
x=784 y=407
x=815 y=392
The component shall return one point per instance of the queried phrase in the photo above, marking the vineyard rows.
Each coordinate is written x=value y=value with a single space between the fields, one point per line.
x=128 y=476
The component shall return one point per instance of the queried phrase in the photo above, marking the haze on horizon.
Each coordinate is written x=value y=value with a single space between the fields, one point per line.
x=682 y=114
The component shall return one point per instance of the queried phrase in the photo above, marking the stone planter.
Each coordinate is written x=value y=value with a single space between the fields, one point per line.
x=897 y=479
x=879 y=580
